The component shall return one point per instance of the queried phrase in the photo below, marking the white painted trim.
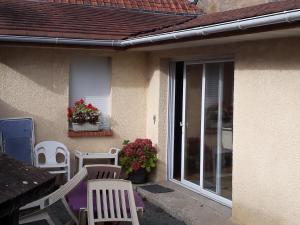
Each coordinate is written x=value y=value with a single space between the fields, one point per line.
x=183 y=126
x=171 y=117
x=219 y=128
x=202 y=125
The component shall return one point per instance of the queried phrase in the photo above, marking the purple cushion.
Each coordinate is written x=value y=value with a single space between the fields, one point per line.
x=77 y=198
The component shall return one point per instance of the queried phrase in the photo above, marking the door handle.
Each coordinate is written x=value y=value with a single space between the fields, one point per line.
x=182 y=124
x=1 y=143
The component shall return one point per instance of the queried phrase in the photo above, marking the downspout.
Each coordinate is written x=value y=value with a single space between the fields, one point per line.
x=285 y=16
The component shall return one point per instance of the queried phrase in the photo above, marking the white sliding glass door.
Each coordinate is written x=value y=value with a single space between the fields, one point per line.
x=206 y=129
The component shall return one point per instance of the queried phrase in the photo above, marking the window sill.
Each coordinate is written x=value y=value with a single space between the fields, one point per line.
x=106 y=133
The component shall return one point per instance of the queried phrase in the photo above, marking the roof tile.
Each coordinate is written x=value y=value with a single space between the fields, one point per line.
x=20 y=17
x=45 y=19
x=168 y=6
x=236 y=14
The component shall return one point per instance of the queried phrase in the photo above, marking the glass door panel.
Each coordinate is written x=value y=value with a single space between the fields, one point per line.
x=227 y=132
x=192 y=123
x=206 y=128
x=212 y=72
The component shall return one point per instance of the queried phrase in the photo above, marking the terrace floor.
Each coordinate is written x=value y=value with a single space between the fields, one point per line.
x=188 y=206
x=180 y=207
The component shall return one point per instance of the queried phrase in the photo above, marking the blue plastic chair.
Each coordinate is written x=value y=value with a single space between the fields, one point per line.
x=17 y=138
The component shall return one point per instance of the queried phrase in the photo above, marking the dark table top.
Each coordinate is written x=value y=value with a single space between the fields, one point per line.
x=21 y=184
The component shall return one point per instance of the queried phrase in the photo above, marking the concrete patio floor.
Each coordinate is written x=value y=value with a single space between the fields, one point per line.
x=188 y=206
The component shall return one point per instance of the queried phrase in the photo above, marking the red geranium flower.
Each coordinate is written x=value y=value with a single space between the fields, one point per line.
x=70 y=112
x=81 y=101
x=138 y=154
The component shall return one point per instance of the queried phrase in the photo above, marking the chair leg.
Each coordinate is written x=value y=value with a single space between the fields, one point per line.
x=82 y=217
x=35 y=218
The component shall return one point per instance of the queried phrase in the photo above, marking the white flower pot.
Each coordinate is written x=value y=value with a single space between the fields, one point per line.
x=86 y=126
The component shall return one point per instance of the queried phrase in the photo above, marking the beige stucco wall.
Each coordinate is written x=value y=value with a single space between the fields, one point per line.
x=209 y=6
x=34 y=82
x=266 y=134
x=157 y=105
x=266 y=165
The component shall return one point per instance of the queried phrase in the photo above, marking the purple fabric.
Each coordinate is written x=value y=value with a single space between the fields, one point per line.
x=77 y=198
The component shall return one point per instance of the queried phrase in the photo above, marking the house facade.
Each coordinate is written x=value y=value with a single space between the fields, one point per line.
x=218 y=94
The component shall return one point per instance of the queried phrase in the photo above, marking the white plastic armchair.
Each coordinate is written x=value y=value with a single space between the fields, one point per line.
x=111 y=197
x=51 y=151
x=42 y=206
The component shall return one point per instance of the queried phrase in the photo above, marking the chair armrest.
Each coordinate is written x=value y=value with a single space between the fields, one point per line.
x=77 y=152
x=41 y=203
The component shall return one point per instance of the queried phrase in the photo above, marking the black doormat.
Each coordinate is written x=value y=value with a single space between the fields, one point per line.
x=156 y=189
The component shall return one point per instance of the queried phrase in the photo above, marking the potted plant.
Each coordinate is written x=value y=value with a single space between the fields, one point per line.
x=138 y=158
x=84 y=117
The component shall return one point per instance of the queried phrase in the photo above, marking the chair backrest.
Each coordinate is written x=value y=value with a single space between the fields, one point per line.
x=51 y=150
x=17 y=138
x=103 y=171
x=111 y=200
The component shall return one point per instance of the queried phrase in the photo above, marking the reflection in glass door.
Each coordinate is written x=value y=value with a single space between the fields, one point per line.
x=192 y=123
x=206 y=133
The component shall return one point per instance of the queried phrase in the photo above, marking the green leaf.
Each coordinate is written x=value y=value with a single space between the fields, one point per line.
x=129 y=170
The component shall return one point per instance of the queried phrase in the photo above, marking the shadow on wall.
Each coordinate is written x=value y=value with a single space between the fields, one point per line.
x=47 y=68
x=34 y=82
x=49 y=128
x=23 y=94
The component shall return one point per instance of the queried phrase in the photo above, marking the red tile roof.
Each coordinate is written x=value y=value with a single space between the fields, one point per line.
x=44 y=19
x=171 y=6
x=242 y=13
x=30 y=18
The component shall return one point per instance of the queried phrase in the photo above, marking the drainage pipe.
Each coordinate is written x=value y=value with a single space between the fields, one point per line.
x=61 y=41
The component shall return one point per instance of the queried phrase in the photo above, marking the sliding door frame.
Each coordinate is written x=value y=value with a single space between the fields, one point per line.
x=171 y=112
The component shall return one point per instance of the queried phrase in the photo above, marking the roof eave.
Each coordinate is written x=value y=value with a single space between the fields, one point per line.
x=282 y=17
x=243 y=24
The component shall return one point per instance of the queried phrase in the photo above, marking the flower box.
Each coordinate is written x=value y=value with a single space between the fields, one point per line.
x=86 y=126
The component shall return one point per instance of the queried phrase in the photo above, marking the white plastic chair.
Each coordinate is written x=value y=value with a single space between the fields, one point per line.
x=42 y=207
x=111 y=197
x=103 y=171
x=51 y=150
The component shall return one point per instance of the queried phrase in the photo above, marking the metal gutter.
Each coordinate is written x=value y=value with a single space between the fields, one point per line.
x=62 y=41
x=243 y=24
x=275 y=18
